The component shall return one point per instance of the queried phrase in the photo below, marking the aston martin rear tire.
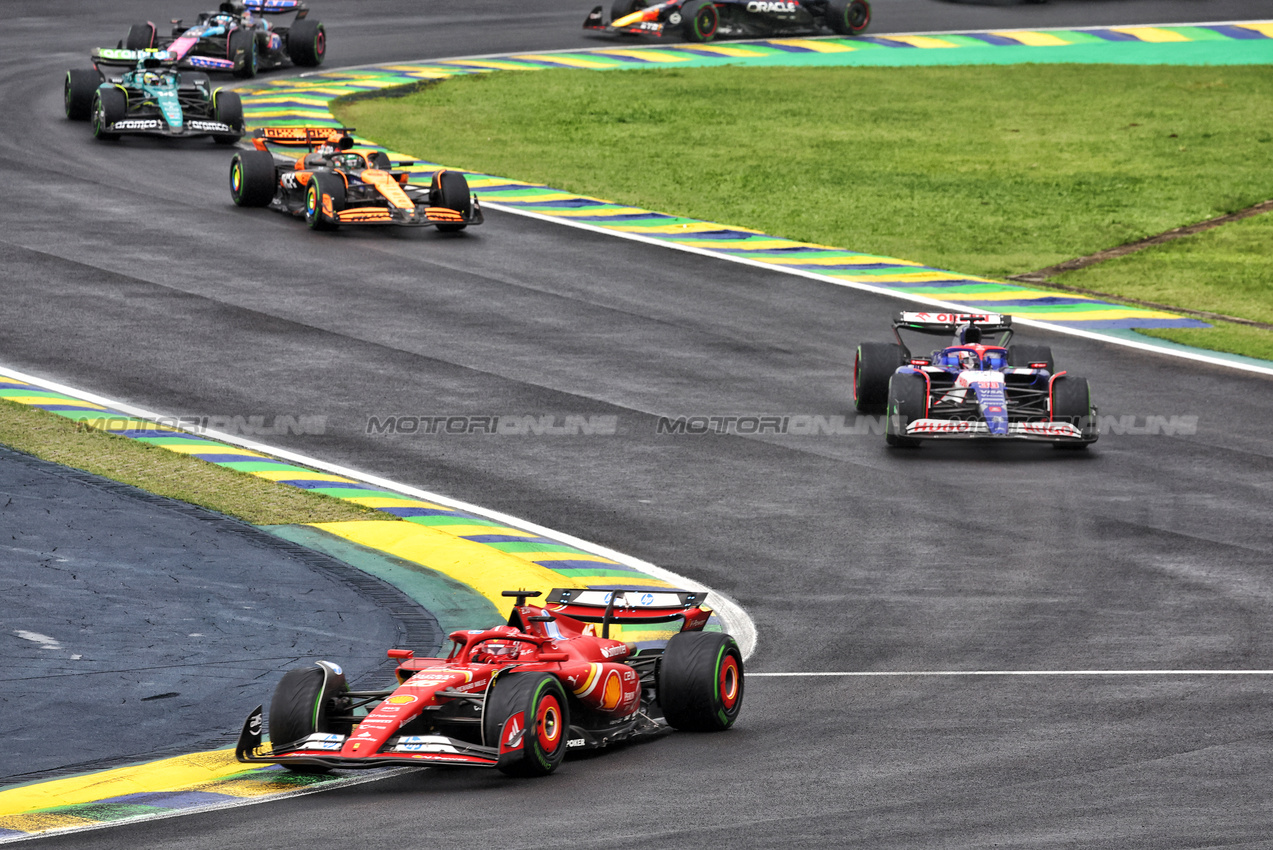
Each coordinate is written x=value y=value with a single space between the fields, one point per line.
x=227 y=108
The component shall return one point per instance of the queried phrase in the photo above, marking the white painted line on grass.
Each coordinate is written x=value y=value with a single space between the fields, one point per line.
x=734 y=619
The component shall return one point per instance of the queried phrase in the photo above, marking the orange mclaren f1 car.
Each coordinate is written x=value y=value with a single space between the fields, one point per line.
x=330 y=185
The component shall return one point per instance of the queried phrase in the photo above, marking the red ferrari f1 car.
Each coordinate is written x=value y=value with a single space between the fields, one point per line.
x=515 y=697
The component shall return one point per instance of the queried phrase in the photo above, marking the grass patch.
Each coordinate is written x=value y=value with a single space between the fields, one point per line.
x=991 y=171
x=156 y=470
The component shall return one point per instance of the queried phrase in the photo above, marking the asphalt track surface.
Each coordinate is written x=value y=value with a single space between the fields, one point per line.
x=127 y=271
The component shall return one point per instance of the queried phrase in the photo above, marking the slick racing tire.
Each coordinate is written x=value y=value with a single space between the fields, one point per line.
x=540 y=701
x=194 y=80
x=321 y=184
x=1023 y=355
x=109 y=105
x=242 y=40
x=77 y=94
x=1072 y=403
x=848 y=17
x=140 y=37
x=700 y=19
x=907 y=402
x=228 y=109
x=307 y=43
x=700 y=681
x=303 y=703
x=873 y=365
x=253 y=178
x=449 y=189
x=623 y=8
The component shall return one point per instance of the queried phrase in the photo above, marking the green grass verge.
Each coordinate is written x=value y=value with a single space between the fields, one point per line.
x=991 y=171
x=255 y=500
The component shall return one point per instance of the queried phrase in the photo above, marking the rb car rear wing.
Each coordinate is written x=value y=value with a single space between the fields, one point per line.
x=942 y=324
x=648 y=605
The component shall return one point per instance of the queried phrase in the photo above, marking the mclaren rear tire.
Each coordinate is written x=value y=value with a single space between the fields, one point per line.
x=450 y=189
x=77 y=94
x=700 y=20
x=303 y=703
x=109 y=105
x=907 y=403
x=873 y=365
x=322 y=185
x=848 y=17
x=700 y=681
x=253 y=178
x=540 y=743
x=307 y=43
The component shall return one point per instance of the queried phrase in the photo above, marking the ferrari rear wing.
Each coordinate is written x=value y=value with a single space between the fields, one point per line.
x=652 y=605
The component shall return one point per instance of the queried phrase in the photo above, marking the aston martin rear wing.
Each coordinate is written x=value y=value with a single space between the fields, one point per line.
x=123 y=58
x=646 y=605
x=945 y=324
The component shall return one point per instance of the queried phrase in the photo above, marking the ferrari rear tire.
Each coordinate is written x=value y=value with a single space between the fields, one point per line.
x=848 y=17
x=109 y=105
x=700 y=681
x=1072 y=403
x=253 y=178
x=227 y=108
x=700 y=19
x=303 y=703
x=307 y=43
x=140 y=37
x=77 y=94
x=242 y=40
x=449 y=189
x=873 y=365
x=537 y=703
x=907 y=403
x=623 y=8
x=1023 y=355
x=320 y=184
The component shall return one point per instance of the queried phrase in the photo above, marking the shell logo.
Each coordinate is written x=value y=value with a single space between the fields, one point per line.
x=613 y=691
x=401 y=699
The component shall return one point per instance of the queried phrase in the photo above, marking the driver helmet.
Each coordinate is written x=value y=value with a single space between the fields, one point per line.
x=968 y=360
x=495 y=651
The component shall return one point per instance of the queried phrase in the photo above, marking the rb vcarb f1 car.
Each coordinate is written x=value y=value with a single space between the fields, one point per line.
x=706 y=20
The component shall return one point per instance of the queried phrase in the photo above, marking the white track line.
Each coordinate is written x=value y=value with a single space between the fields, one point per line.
x=954 y=673
x=734 y=619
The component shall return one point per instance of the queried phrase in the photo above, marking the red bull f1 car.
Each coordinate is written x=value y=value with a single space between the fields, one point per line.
x=977 y=386
x=331 y=185
x=705 y=20
x=238 y=38
x=139 y=92
x=516 y=696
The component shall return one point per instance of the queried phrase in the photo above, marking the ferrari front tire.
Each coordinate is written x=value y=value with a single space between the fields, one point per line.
x=873 y=365
x=109 y=105
x=700 y=19
x=848 y=17
x=527 y=713
x=449 y=189
x=303 y=704
x=307 y=43
x=907 y=403
x=253 y=178
x=77 y=94
x=700 y=681
x=323 y=184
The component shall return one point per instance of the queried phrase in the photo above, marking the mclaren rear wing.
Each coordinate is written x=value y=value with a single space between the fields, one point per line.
x=303 y=137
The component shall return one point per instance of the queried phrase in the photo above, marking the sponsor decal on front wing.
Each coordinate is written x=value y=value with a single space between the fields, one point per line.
x=137 y=124
x=209 y=126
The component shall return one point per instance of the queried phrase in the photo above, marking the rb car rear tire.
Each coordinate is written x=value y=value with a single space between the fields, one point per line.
x=449 y=189
x=253 y=178
x=77 y=94
x=700 y=681
x=848 y=17
x=873 y=365
x=302 y=704
x=542 y=701
x=307 y=43
x=1023 y=355
x=907 y=402
x=700 y=20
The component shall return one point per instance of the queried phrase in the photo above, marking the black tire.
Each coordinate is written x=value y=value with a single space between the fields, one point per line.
x=449 y=189
x=623 y=8
x=700 y=20
x=873 y=365
x=307 y=43
x=244 y=40
x=380 y=159
x=77 y=94
x=848 y=17
x=303 y=703
x=253 y=178
x=322 y=183
x=907 y=402
x=228 y=109
x=109 y=105
x=140 y=37
x=1023 y=355
x=542 y=701
x=700 y=681
x=194 y=79
x=1072 y=403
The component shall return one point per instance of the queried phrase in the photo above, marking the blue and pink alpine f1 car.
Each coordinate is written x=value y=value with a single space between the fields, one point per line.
x=976 y=386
